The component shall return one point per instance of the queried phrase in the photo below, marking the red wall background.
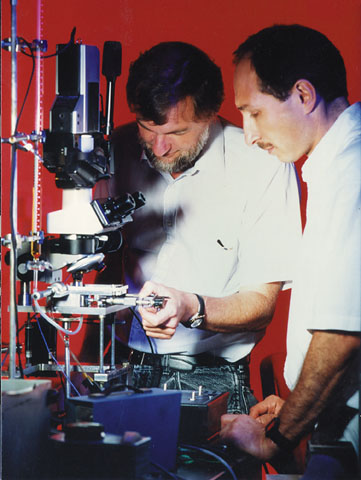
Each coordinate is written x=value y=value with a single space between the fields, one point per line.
x=214 y=26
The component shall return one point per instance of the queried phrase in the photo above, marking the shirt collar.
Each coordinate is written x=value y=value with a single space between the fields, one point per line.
x=327 y=147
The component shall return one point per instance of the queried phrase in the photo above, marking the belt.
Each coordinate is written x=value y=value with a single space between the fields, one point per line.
x=182 y=362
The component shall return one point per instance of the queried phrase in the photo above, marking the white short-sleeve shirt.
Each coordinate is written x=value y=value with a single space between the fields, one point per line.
x=231 y=221
x=326 y=291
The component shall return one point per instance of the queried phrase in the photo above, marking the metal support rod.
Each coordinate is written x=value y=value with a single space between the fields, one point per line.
x=110 y=107
x=14 y=77
x=112 y=345
x=14 y=104
x=101 y=344
x=28 y=342
x=67 y=362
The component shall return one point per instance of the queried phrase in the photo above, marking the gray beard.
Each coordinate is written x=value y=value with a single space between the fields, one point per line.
x=181 y=163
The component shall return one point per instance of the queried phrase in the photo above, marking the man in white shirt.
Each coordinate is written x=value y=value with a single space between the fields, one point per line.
x=223 y=206
x=290 y=87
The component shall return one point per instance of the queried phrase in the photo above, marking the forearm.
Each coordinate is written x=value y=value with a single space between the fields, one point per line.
x=327 y=360
x=329 y=357
x=246 y=310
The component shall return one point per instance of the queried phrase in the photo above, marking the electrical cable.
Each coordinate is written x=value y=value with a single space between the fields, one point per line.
x=61 y=381
x=22 y=328
x=55 y=360
x=88 y=377
x=71 y=42
x=212 y=454
x=52 y=322
x=29 y=83
x=4 y=359
x=140 y=323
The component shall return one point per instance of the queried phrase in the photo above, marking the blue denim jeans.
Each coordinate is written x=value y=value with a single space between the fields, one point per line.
x=224 y=378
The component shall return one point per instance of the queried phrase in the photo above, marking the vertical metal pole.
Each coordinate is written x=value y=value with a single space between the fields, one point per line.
x=101 y=344
x=36 y=214
x=112 y=345
x=67 y=361
x=14 y=88
x=14 y=79
x=110 y=106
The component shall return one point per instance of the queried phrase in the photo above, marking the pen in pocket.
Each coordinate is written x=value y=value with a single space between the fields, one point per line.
x=221 y=244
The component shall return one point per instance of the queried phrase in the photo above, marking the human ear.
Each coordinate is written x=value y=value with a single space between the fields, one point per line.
x=307 y=94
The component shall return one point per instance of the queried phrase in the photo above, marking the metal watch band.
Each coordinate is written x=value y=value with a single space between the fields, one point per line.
x=274 y=434
x=197 y=319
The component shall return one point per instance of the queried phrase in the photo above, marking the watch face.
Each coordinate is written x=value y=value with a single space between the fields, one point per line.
x=197 y=322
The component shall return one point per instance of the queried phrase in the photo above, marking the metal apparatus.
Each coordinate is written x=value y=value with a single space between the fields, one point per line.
x=77 y=149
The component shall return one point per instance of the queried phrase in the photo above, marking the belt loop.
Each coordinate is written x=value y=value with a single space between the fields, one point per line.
x=142 y=360
x=165 y=363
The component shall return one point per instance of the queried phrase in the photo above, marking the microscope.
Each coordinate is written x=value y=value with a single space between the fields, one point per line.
x=78 y=151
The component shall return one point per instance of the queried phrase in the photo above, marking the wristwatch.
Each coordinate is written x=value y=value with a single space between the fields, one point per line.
x=197 y=319
x=274 y=434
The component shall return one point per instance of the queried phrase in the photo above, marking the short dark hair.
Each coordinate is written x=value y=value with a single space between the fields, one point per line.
x=168 y=73
x=283 y=54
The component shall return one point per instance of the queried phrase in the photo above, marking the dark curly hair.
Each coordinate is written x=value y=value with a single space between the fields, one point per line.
x=170 y=72
x=283 y=54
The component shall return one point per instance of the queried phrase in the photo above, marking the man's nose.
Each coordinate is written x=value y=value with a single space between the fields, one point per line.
x=160 y=146
x=251 y=134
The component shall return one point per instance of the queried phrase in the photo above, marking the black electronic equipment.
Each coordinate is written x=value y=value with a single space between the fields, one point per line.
x=85 y=451
x=153 y=413
x=25 y=427
x=75 y=148
x=111 y=69
x=114 y=211
x=201 y=415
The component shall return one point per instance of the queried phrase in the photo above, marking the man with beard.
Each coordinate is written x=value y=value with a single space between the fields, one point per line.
x=215 y=212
